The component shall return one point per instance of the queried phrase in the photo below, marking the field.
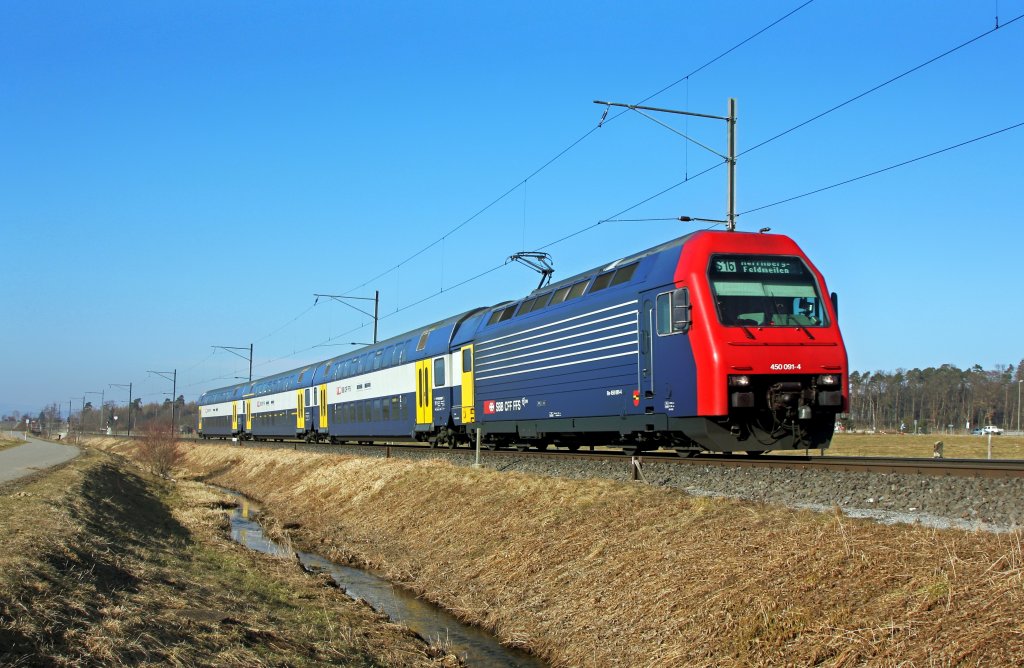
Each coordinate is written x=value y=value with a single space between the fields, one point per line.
x=101 y=564
x=598 y=573
x=910 y=445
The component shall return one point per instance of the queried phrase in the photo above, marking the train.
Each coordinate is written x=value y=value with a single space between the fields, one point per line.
x=716 y=341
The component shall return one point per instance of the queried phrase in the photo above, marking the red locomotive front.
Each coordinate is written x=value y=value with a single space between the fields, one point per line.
x=771 y=367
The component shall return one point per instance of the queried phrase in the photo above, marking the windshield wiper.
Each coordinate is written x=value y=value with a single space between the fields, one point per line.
x=790 y=317
x=806 y=331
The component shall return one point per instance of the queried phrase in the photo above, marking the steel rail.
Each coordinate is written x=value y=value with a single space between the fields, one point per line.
x=981 y=468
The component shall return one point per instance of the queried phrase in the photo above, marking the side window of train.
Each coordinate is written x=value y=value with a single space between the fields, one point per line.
x=559 y=296
x=602 y=281
x=674 y=312
x=439 y=372
x=502 y=314
x=577 y=290
x=422 y=343
x=467 y=360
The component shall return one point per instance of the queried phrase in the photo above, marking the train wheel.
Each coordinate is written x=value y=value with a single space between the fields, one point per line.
x=754 y=453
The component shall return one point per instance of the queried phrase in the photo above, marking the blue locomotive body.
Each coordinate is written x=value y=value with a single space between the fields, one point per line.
x=642 y=352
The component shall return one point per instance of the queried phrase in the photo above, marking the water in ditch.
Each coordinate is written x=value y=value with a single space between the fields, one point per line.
x=473 y=646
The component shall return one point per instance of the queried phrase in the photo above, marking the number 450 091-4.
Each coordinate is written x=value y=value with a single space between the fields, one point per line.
x=788 y=366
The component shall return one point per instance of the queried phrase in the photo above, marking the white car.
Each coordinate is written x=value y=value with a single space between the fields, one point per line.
x=990 y=429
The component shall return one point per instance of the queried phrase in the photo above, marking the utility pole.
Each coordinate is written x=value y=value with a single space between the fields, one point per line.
x=173 y=377
x=342 y=298
x=730 y=158
x=129 y=386
x=233 y=349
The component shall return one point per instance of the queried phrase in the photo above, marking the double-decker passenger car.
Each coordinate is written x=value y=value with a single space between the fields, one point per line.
x=721 y=341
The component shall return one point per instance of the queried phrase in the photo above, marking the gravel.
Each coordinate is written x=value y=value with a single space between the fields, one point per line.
x=986 y=504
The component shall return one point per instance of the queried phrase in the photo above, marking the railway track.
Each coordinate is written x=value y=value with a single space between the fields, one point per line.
x=979 y=468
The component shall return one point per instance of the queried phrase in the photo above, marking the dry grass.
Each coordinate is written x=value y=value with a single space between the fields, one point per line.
x=596 y=573
x=157 y=448
x=895 y=445
x=10 y=442
x=100 y=565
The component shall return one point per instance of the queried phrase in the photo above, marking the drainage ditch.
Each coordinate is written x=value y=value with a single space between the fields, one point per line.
x=473 y=646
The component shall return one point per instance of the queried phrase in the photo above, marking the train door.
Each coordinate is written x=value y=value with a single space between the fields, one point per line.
x=248 y=415
x=300 y=412
x=424 y=411
x=323 y=408
x=647 y=349
x=234 y=416
x=468 y=413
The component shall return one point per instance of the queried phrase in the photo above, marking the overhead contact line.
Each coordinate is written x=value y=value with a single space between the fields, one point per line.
x=884 y=169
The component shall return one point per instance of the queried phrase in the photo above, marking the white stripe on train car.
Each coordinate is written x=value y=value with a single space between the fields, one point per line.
x=490 y=343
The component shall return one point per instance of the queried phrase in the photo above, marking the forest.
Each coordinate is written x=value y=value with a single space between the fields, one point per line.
x=937 y=399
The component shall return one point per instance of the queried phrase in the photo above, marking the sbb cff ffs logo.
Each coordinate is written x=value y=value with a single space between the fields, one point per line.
x=509 y=405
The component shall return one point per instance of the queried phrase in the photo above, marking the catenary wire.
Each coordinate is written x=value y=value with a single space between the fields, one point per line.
x=884 y=169
x=577 y=142
x=795 y=127
x=879 y=86
x=532 y=175
x=613 y=218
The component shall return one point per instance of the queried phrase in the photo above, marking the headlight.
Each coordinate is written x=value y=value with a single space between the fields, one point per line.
x=828 y=379
x=739 y=381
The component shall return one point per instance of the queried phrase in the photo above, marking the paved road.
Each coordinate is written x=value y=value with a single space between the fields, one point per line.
x=35 y=455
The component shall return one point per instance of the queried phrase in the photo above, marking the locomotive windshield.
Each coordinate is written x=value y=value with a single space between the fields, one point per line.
x=757 y=290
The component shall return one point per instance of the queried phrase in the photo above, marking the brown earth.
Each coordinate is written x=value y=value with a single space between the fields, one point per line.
x=101 y=564
x=598 y=573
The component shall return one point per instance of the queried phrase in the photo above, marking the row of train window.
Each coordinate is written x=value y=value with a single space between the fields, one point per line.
x=565 y=293
x=217 y=419
x=352 y=412
x=276 y=419
x=370 y=410
x=383 y=358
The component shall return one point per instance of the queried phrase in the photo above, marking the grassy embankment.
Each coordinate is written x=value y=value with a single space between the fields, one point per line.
x=597 y=573
x=101 y=564
x=7 y=442
x=910 y=445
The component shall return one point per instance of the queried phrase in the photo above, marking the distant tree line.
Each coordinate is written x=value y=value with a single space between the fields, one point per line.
x=938 y=398
x=113 y=416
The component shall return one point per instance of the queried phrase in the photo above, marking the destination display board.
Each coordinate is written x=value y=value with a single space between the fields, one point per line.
x=734 y=266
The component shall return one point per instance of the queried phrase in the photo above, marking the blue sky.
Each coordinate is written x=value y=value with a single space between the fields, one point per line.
x=179 y=175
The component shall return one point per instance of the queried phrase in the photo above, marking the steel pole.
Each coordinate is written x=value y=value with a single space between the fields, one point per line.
x=731 y=215
x=250 y=362
x=376 y=305
x=174 y=399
